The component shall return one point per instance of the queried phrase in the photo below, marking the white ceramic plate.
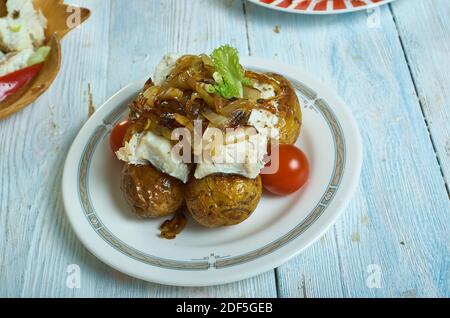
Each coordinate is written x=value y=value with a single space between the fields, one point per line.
x=278 y=230
x=320 y=6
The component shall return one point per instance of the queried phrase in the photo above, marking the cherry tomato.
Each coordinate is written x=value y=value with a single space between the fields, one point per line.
x=292 y=173
x=12 y=82
x=118 y=134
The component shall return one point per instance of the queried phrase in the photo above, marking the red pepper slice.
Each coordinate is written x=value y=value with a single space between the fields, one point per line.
x=12 y=82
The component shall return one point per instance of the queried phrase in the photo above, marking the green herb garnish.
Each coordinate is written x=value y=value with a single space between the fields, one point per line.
x=15 y=28
x=39 y=56
x=210 y=88
x=229 y=74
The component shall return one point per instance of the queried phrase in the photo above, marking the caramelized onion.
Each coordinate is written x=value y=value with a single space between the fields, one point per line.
x=170 y=93
x=183 y=121
x=171 y=228
x=264 y=78
x=184 y=97
x=209 y=99
x=238 y=105
x=251 y=94
x=217 y=120
x=156 y=128
x=151 y=95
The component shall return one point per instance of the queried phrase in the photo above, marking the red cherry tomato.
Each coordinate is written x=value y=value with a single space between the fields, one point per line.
x=292 y=173
x=118 y=134
x=12 y=82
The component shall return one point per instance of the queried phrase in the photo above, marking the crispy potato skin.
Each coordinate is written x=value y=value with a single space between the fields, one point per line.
x=220 y=200
x=290 y=113
x=152 y=193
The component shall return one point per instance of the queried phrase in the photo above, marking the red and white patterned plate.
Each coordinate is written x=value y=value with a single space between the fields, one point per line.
x=320 y=6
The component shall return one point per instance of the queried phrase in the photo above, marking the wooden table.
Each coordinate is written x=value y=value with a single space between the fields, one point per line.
x=391 y=66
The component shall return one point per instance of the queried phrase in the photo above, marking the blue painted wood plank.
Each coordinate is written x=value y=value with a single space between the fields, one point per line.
x=398 y=221
x=147 y=30
x=426 y=41
x=37 y=243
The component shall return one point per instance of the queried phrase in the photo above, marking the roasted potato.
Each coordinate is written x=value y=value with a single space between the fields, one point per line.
x=289 y=111
x=152 y=193
x=219 y=200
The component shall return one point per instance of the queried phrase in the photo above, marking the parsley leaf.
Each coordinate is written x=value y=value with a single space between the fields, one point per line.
x=229 y=75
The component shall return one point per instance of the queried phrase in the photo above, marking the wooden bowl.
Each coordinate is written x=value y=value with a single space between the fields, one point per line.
x=57 y=14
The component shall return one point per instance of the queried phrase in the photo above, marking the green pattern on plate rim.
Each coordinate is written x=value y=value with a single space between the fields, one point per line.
x=213 y=261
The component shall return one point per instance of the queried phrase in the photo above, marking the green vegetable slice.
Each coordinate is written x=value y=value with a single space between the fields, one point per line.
x=39 y=56
x=15 y=28
x=210 y=88
x=229 y=75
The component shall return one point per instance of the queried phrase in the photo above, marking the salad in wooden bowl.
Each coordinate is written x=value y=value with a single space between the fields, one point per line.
x=30 y=51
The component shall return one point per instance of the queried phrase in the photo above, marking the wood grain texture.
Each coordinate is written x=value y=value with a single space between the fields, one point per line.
x=426 y=41
x=57 y=14
x=401 y=184
x=150 y=29
x=37 y=242
x=398 y=219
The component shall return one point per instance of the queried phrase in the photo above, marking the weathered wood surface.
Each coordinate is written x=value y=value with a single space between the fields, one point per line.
x=399 y=218
x=394 y=77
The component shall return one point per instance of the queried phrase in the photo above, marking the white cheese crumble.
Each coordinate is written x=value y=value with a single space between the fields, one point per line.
x=22 y=27
x=14 y=61
x=128 y=153
x=165 y=67
x=267 y=90
x=14 y=37
x=264 y=122
x=21 y=30
x=243 y=158
x=150 y=148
